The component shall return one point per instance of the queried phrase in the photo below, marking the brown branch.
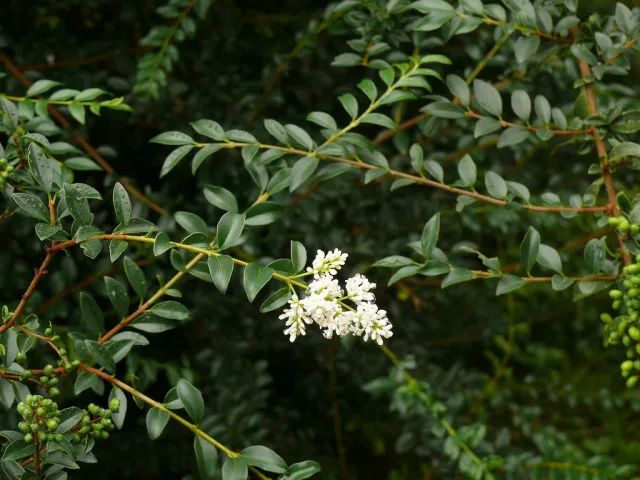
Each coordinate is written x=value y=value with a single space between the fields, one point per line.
x=532 y=129
x=80 y=140
x=592 y=102
x=39 y=273
x=145 y=306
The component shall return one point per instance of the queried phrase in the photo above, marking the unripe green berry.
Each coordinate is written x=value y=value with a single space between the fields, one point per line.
x=48 y=370
x=634 y=332
x=62 y=351
x=22 y=426
x=28 y=438
x=54 y=392
x=52 y=424
x=626 y=365
x=59 y=437
x=632 y=381
x=34 y=427
x=114 y=405
x=76 y=363
x=614 y=221
x=615 y=294
x=104 y=435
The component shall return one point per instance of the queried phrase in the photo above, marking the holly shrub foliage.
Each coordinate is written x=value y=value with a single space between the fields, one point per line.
x=166 y=173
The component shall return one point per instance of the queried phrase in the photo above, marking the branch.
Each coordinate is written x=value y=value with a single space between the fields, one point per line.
x=39 y=273
x=79 y=139
x=153 y=403
x=420 y=180
x=592 y=102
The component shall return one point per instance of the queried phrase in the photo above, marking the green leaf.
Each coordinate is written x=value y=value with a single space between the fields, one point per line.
x=161 y=244
x=264 y=458
x=298 y=255
x=624 y=149
x=277 y=131
x=276 y=300
x=208 y=128
x=234 y=469
x=82 y=164
x=31 y=205
x=206 y=458
x=542 y=108
x=118 y=295
x=434 y=169
x=156 y=421
x=512 y=136
x=369 y=89
x=445 y=109
x=467 y=171
x=350 y=104
x=119 y=416
x=220 y=269
x=92 y=317
x=302 y=170
x=77 y=111
x=485 y=126
x=170 y=309
x=229 y=229
x=202 y=154
x=191 y=222
x=264 y=213
x=519 y=190
x=594 y=255
x=255 y=278
x=559 y=283
x=174 y=158
x=77 y=204
x=529 y=249
x=172 y=138
x=457 y=275
x=496 y=186
x=302 y=470
x=100 y=354
x=121 y=203
x=430 y=234
x=428 y=6
x=509 y=283
x=525 y=47
x=116 y=248
x=41 y=86
x=221 y=198
x=324 y=120
x=299 y=136
x=41 y=167
x=44 y=230
x=487 y=97
x=17 y=450
x=458 y=88
x=136 y=277
x=521 y=104
x=549 y=258
x=191 y=399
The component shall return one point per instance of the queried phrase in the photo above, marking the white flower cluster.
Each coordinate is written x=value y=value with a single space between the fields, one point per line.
x=325 y=304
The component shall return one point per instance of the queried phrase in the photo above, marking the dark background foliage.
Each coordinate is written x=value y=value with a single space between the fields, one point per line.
x=530 y=366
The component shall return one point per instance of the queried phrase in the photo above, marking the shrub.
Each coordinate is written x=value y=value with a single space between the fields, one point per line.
x=479 y=148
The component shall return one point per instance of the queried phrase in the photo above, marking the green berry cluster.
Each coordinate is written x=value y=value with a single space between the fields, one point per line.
x=40 y=419
x=624 y=328
x=5 y=171
x=624 y=226
x=96 y=422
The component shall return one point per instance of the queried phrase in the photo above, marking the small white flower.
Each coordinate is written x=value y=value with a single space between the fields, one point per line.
x=294 y=315
x=324 y=304
x=372 y=323
x=328 y=263
x=359 y=289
